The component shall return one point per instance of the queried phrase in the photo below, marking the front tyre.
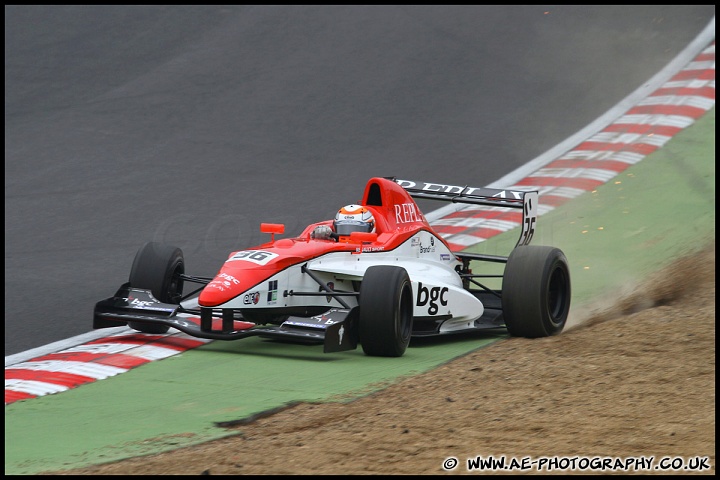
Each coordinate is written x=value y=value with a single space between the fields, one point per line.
x=157 y=267
x=536 y=291
x=386 y=311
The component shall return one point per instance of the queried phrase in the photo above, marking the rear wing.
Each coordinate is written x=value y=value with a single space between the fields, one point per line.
x=527 y=202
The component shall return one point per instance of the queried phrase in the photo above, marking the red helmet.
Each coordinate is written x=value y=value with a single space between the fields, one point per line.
x=353 y=218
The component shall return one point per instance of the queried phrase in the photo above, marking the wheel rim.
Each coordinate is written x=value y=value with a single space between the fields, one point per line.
x=404 y=313
x=557 y=295
x=175 y=285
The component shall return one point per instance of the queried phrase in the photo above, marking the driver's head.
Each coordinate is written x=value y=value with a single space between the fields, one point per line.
x=353 y=218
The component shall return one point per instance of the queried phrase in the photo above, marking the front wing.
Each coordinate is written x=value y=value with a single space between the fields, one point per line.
x=336 y=329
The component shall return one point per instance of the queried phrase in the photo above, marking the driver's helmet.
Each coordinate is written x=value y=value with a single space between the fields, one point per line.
x=353 y=218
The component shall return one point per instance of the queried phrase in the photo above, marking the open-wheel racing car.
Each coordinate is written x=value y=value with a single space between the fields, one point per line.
x=377 y=289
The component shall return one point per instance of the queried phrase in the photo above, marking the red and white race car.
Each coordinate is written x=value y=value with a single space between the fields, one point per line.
x=377 y=289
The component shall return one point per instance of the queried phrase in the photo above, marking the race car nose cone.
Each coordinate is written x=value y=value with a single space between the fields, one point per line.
x=222 y=289
x=212 y=296
x=232 y=282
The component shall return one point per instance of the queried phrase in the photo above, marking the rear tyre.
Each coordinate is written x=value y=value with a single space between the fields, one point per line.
x=157 y=267
x=536 y=291
x=386 y=311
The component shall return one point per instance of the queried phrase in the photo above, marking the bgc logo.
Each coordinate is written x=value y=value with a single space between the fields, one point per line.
x=431 y=295
x=139 y=303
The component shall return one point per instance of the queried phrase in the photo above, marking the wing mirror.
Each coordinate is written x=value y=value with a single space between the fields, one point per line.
x=272 y=229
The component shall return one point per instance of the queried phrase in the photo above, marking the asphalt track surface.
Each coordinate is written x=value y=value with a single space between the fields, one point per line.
x=97 y=402
x=192 y=125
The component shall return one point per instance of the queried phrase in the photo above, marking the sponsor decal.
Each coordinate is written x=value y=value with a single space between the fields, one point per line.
x=223 y=281
x=407 y=213
x=445 y=257
x=228 y=279
x=429 y=296
x=370 y=249
x=457 y=189
x=510 y=194
x=315 y=321
x=134 y=302
x=161 y=309
x=259 y=257
x=251 y=298
x=528 y=223
x=429 y=249
x=299 y=323
x=272 y=292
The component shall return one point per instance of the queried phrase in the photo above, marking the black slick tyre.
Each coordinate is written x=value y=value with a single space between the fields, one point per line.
x=157 y=267
x=536 y=291
x=386 y=311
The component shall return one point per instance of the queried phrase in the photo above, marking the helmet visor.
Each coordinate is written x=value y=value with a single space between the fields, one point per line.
x=346 y=227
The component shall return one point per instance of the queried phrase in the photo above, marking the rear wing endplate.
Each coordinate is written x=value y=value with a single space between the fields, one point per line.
x=527 y=201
